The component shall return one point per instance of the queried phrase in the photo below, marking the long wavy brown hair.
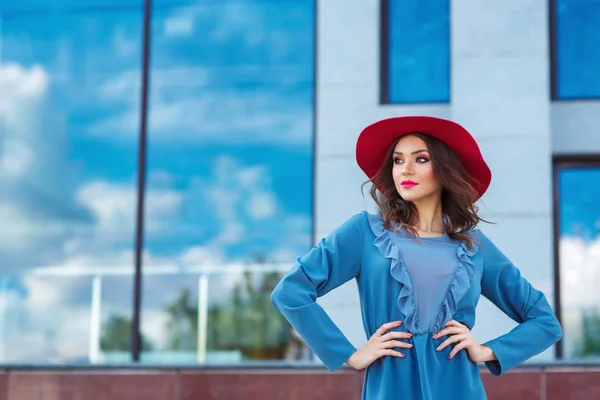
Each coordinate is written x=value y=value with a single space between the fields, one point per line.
x=458 y=195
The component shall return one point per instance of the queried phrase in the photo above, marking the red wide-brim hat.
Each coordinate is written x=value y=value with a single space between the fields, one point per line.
x=375 y=140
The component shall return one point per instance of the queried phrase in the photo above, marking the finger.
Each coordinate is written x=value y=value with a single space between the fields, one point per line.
x=396 y=343
x=392 y=353
x=456 y=349
x=396 y=335
x=454 y=323
x=450 y=340
x=387 y=326
x=448 y=331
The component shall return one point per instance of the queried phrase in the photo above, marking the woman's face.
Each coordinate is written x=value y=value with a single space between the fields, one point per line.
x=412 y=170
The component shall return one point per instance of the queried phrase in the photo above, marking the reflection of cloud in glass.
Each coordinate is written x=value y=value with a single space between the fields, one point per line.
x=580 y=272
x=36 y=205
x=257 y=113
x=231 y=117
x=579 y=249
x=579 y=211
x=580 y=280
x=226 y=72
x=230 y=157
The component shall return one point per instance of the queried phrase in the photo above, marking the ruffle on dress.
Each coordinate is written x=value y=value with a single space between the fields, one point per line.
x=459 y=285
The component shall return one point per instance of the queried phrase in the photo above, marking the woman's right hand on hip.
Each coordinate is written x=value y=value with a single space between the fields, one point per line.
x=379 y=345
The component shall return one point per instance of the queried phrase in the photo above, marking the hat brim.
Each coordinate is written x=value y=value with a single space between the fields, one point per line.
x=375 y=141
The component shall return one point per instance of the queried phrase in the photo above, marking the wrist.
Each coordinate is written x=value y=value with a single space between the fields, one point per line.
x=487 y=354
x=350 y=360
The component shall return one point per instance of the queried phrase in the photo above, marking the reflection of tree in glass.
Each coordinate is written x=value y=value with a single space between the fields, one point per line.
x=590 y=337
x=246 y=321
x=116 y=335
x=182 y=323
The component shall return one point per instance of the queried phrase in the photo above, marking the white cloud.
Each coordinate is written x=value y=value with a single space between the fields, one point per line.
x=30 y=162
x=126 y=44
x=580 y=280
x=41 y=337
x=161 y=178
x=21 y=90
x=21 y=227
x=223 y=20
x=115 y=206
x=201 y=104
x=261 y=202
x=35 y=327
x=17 y=157
x=20 y=84
x=202 y=255
x=211 y=116
x=124 y=87
x=153 y=326
x=261 y=205
x=38 y=162
x=243 y=19
x=580 y=272
x=237 y=189
x=179 y=24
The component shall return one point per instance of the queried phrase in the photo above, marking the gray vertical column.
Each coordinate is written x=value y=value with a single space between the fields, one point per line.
x=501 y=93
x=348 y=91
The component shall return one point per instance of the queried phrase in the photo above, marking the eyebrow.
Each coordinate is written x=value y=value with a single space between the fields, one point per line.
x=414 y=152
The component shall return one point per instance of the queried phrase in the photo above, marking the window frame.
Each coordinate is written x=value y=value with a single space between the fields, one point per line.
x=561 y=161
x=553 y=64
x=384 y=59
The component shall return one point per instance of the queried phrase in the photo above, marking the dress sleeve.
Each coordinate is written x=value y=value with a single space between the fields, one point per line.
x=334 y=261
x=538 y=327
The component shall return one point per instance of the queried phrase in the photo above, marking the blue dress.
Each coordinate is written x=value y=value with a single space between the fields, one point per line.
x=390 y=289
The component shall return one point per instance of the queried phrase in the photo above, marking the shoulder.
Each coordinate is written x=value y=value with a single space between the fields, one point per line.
x=478 y=235
x=353 y=226
x=489 y=249
x=374 y=224
x=360 y=219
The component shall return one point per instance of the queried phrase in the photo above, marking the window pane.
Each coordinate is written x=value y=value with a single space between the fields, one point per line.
x=577 y=43
x=23 y=7
x=579 y=248
x=230 y=170
x=418 y=51
x=67 y=181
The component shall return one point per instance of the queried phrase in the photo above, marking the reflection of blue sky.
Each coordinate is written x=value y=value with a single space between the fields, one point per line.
x=230 y=143
x=579 y=248
x=244 y=95
x=578 y=197
x=419 y=51
x=236 y=86
x=577 y=44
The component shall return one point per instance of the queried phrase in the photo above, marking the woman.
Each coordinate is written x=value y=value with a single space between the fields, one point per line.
x=420 y=268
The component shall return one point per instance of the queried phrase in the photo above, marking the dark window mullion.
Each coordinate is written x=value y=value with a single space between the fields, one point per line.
x=139 y=235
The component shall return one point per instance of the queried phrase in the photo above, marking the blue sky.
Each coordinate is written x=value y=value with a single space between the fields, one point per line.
x=578 y=194
x=419 y=51
x=577 y=43
x=229 y=80
x=230 y=148
x=230 y=145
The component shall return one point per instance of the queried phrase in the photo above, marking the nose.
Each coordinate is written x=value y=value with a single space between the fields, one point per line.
x=407 y=168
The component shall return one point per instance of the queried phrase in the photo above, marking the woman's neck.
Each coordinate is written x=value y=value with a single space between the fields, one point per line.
x=431 y=219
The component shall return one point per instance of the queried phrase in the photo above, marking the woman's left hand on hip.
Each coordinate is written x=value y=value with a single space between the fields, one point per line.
x=460 y=334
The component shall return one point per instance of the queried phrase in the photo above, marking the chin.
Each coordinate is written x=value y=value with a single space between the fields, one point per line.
x=408 y=195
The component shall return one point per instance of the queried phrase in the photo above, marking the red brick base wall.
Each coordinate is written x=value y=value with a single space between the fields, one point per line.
x=550 y=383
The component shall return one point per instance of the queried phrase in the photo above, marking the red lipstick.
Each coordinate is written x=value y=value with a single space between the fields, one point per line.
x=407 y=184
